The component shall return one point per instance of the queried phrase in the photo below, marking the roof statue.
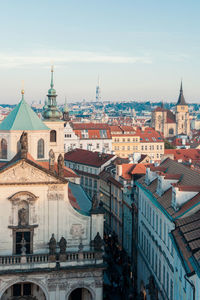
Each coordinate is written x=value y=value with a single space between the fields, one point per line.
x=52 y=112
x=24 y=144
x=51 y=160
x=181 y=99
x=60 y=165
x=22 y=117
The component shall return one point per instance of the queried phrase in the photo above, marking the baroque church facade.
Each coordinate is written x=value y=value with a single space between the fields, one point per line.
x=50 y=232
x=170 y=124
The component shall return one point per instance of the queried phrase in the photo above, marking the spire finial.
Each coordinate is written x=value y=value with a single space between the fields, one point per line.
x=52 y=70
x=22 y=90
x=181 y=88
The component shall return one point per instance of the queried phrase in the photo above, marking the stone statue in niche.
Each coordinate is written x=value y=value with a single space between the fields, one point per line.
x=22 y=217
x=51 y=160
x=52 y=245
x=63 y=245
x=95 y=201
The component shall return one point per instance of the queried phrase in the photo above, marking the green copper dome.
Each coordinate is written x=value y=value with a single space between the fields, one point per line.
x=22 y=117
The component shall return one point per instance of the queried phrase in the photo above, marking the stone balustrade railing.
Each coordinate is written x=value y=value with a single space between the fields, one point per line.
x=46 y=258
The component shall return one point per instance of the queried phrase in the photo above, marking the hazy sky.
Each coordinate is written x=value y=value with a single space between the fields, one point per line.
x=140 y=49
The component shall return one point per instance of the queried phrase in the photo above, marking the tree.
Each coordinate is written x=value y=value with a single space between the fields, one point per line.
x=168 y=145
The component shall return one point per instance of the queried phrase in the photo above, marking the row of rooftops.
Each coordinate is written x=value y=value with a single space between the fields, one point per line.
x=99 y=131
x=169 y=180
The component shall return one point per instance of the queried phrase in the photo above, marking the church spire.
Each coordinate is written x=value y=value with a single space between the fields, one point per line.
x=181 y=99
x=52 y=112
x=51 y=85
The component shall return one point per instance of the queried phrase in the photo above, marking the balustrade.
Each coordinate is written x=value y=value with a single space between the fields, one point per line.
x=44 y=258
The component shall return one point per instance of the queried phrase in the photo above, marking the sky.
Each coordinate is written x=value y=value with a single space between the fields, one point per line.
x=140 y=49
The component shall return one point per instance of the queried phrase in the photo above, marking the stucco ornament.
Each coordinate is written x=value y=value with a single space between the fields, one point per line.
x=76 y=231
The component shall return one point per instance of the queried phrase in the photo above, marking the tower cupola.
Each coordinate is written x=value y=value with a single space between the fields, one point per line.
x=52 y=112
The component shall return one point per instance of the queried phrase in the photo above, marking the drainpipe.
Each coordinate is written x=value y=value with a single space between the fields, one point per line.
x=192 y=285
x=122 y=219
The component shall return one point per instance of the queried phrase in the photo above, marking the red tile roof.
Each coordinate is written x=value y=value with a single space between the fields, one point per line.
x=132 y=169
x=149 y=135
x=184 y=154
x=86 y=157
x=84 y=126
x=93 y=134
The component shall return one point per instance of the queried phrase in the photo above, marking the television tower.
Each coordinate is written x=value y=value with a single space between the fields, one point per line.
x=98 y=91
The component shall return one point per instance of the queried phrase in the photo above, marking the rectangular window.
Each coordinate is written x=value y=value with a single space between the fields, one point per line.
x=159 y=270
x=171 y=290
x=153 y=259
x=19 y=236
x=156 y=265
x=153 y=221
x=167 y=283
x=157 y=223
x=160 y=228
x=95 y=184
x=164 y=277
x=164 y=233
x=150 y=214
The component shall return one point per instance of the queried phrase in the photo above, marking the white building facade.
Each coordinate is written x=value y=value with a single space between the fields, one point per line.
x=165 y=194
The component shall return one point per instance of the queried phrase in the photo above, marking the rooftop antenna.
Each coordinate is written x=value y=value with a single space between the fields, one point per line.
x=98 y=91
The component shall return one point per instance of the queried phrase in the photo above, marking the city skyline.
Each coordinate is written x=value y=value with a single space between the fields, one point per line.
x=140 y=50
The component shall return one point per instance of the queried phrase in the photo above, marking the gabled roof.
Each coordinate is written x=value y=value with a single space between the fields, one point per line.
x=22 y=117
x=189 y=179
x=86 y=157
x=187 y=238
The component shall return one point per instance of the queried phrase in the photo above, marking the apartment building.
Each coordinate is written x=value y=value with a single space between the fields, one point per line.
x=167 y=194
x=145 y=141
x=88 y=165
x=87 y=136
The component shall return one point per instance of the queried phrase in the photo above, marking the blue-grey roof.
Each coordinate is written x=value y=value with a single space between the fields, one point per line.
x=82 y=199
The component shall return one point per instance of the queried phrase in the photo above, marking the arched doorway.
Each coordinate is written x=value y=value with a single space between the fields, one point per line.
x=24 y=291
x=80 y=294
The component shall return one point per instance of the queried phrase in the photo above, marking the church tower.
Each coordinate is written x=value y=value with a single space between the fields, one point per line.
x=53 y=119
x=182 y=115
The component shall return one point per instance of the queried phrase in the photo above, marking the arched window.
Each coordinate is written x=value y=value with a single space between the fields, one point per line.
x=3 y=149
x=171 y=131
x=40 y=148
x=53 y=136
